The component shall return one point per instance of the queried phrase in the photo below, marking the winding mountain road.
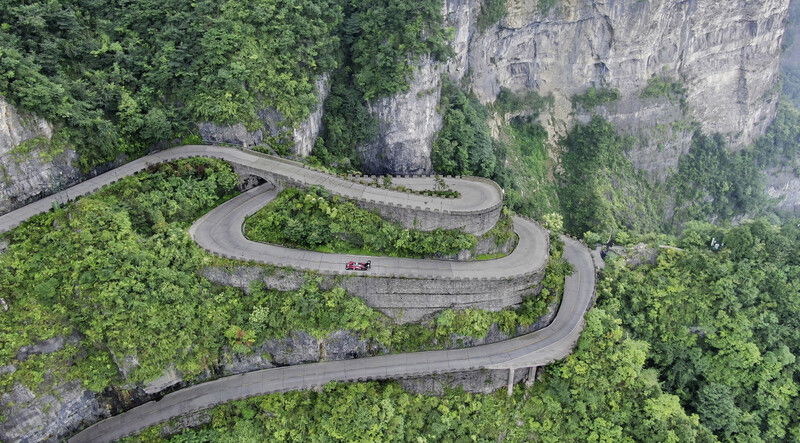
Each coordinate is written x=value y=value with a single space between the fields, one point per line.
x=220 y=231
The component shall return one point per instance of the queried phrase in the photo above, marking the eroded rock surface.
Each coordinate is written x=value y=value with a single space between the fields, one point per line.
x=303 y=135
x=32 y=417
x=482 y=382
x=726 y=55
x=29 y=166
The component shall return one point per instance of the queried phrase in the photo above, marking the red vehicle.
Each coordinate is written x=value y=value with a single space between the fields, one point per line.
x=358 y=266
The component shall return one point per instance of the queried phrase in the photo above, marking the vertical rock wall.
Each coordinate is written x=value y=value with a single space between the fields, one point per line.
x=407 y=125
x=725 y=53
x=303 y=135
x=29 y=166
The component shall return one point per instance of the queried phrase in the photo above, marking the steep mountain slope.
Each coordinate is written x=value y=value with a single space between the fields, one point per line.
x=725 y=54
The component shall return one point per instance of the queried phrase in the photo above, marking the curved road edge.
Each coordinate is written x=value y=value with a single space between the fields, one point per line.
x=220 y=232
x=477 y=196
x=535 y=349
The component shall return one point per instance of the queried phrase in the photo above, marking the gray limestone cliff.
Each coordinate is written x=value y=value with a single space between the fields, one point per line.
x=30 y=164
x=302 y=136
x=783 y=181
x=726 y=55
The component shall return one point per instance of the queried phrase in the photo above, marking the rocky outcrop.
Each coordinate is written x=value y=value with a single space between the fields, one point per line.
x=29 y=416
x=46 y=346
x=484 y=381
x=302 y=136
x=243 y=276
x=30 y=166
x=299 y=347
x=726 y=55
x=407 y=125
x=783 y=184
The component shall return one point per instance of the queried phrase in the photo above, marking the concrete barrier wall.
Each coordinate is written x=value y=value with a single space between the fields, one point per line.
x=473 y=222
x=408 y=300
x=422 y=220
x=405 y=300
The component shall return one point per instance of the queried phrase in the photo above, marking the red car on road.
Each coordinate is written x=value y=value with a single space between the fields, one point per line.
x=358 y=266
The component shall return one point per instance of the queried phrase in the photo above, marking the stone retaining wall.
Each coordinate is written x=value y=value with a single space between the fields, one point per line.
x=473 y=222
x=405 y=300
x=408 y=300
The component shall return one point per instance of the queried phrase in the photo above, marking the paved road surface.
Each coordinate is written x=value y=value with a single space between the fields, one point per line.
x=220 y=232
x=536 y=349
x=476 y=195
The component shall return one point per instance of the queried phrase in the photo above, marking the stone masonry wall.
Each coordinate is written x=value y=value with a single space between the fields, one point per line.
x=403 y=299
x=409 y=300
x=475 y=222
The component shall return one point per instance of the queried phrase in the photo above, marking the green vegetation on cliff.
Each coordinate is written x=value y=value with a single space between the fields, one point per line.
x=602 y=392
x=463 y=146
x=594 y=97
x=118 y=271
x=519 y=161
x=381 y=43
x=316 y=220
x=526 y=171
x=383 y=36
x=491 y=12
x=599 y=189
x=120 y=79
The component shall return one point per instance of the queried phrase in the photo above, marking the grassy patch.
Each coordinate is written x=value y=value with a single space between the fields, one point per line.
x=495 y=256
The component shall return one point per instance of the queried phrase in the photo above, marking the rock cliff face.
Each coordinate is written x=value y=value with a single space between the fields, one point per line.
x=726 y=54
x=303 y=135
x=29 y=165
x=407 y=126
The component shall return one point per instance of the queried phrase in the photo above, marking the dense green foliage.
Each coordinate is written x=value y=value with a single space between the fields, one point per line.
x=600 y=393
x=598 y=188
x=463 y=146
x=722 y=323
x=780 y=146
x=491 y=12
x=519 y=163
x=529 y=103
x=714 y=182
x=385 y=34
x=120 y=79
x=524 y=169
x=317 y=220
x=119 y=269
x=594 y=97
x=347 y=124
